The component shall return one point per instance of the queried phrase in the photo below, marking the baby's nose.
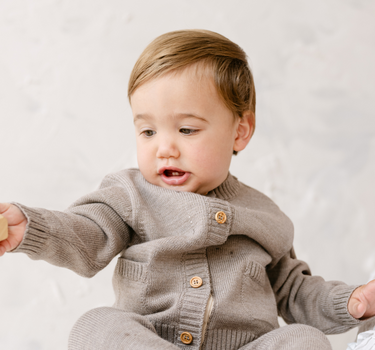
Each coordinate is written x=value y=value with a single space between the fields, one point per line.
x=167 y=149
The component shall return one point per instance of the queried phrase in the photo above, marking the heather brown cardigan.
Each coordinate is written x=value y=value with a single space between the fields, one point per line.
x=165 y=238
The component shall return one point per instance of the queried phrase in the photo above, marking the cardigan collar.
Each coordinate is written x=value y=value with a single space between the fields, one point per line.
x=227 y=190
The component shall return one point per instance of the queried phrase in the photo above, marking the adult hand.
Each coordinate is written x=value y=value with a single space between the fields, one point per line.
x=16 y=227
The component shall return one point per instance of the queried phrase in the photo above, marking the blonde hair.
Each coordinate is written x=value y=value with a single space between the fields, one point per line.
x=227 y=61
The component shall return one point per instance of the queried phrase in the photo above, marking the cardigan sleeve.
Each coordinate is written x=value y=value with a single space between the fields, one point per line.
x=85 y=237
x=303 y=298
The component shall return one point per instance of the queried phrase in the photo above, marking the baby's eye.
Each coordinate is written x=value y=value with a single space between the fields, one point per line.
x=187 y=131
x=148 y=133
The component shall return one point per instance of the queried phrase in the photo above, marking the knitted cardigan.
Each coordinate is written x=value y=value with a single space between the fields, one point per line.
x=165 y=237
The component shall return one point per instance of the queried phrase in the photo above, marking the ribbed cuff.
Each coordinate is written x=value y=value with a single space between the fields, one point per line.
x=35 y=235
x=340 y=305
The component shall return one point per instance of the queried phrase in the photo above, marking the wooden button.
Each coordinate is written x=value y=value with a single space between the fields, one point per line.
x=196 y=282
x=186 y=337
x=220 y=217
x=3 y=228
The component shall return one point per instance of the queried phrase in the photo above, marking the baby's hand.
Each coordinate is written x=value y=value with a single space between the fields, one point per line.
x=16 y=227
x=362 y=302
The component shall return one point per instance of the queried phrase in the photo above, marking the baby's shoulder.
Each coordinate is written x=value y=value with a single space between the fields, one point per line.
x=122 y=177
x=253 y=196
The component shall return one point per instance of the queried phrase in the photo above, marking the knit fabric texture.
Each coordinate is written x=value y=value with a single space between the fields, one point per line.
x=165 y=237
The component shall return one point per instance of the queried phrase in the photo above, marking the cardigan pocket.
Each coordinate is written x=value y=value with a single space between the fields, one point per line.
x=256 y=272
x=130 y=283
x=257 y=297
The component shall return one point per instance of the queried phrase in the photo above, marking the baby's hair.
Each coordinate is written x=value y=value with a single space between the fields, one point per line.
x=225 y=59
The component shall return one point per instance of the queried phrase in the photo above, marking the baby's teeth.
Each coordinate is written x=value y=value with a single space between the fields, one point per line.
x=175 y=173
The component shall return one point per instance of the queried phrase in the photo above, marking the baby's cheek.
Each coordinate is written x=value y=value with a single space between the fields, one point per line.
x=204 y=161
x=216 y=156
x=213 y=168
x=145 y=167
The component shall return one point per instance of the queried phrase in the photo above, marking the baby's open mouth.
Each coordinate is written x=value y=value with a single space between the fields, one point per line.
x=174 y=177
x=173 y=173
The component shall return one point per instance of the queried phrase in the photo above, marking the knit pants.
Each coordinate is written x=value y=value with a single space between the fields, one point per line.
x=112 y=329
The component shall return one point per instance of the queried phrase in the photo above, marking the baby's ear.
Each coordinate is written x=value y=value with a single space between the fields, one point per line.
x=245 y=129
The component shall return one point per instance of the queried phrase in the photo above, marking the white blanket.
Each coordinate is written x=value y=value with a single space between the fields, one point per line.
x=365 y=341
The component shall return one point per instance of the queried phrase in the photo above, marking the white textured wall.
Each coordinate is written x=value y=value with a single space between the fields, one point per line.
x=65 y=123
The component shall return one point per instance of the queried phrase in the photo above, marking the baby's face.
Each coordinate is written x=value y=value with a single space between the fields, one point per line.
x=185 y=134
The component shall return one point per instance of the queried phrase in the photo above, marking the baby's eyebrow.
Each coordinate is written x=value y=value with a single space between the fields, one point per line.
x=141 y=117
x=189 y=115
x=175 y=116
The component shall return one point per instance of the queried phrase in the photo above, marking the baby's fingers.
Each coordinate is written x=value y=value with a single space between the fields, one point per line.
x=12 y=227
x=4 y=207
x=356 y=308
x=15 y=236
x=12 y=213
x=4 y=247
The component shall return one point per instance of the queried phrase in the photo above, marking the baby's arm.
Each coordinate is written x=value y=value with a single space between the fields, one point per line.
x=12 y=227
x=303 y=298
x=362 y=302
x=84 y=238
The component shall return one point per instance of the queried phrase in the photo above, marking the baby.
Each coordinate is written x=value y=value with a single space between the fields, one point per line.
x=205 y=262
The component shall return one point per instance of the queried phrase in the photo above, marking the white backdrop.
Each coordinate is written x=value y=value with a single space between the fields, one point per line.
x=64 y=67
